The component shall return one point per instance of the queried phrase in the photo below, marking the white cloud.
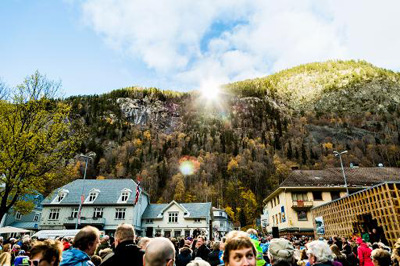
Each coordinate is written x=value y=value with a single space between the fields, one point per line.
x=169 y=36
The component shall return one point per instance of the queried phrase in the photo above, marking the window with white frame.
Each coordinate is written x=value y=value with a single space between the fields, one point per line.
x=125 y=193
x=54 y=214
x=98 y=213
x=61 y=195
x=18 y=216
x=173 y=217
x=36 y=217
x=74 y=212
x=93 y=194
x=120 y=213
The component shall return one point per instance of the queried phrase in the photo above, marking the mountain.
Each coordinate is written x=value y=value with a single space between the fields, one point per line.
x=234 y=152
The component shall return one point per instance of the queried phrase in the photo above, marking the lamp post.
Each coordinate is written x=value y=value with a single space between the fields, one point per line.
x=87 y=158
x=341 y=164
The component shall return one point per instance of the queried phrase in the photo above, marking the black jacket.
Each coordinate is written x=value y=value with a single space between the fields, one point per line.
x=201 y=252
x=184 y=257
x=213 y=258
x=125 y=253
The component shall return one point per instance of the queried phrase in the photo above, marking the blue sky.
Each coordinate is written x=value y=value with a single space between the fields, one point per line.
x=95 y=46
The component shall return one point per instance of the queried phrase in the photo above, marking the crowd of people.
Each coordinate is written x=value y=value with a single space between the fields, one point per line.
x=237 y=248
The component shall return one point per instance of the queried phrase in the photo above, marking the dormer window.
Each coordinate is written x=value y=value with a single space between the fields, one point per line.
x=61 y=195
x=125 y=193
x=92 y=196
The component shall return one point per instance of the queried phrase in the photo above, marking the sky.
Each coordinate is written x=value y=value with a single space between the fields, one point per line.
x=96 y=46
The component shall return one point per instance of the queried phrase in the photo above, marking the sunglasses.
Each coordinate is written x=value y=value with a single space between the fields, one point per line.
x=34 y=262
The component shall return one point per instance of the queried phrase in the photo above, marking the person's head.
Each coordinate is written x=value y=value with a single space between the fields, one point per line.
x=46 y=253
x=201 y=240
x=215 y=245
x=87 y=239
x=335 y=250
x=96 y=260
x=222 y=244
x=104 y=252
x=374 y=230
x=303 y=254
x=104 y=239
x=252 y=231
x=380 y=257
x=143 y=242
x=159 y=252
x=280 y=250
x=319 y=252
x=6 y=248
x=198 y=262
x=359 y=241
x=239 y=250
x=124 y=232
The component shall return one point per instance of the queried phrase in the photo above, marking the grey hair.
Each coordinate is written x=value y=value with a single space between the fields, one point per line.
x=320 y=250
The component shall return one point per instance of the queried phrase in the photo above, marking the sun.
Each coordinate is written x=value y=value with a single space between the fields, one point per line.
x=210 y=90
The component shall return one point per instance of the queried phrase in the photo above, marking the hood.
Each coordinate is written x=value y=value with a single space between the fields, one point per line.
x=254 y=237
x=73 y=256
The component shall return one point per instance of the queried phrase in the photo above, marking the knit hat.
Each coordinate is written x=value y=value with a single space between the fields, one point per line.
x=281 y=248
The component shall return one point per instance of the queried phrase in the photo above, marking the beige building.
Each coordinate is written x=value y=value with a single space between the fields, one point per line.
x=288 y=207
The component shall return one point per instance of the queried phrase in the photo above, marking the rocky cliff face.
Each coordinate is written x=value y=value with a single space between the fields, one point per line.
x=146 y=112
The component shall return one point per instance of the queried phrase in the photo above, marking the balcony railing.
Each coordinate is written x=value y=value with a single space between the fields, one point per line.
x=85 y=221
x=302 y=204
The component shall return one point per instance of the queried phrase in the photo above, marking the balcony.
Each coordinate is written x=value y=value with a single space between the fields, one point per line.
x=300 y=205
x=85 y=221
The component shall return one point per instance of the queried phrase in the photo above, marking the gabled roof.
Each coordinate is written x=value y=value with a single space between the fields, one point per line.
x=356 y=177
x=196 y=210
x=180 y=206
x=110 y=191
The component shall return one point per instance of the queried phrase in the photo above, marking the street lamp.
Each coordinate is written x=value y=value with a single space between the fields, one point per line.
x=341 y=164
x=87 y=158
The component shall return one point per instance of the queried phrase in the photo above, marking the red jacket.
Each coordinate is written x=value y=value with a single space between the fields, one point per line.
x=364 y=255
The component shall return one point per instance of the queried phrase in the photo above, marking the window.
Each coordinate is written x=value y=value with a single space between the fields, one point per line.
x=197 y=220
x=36 y=218
x=177 y=234
x=120 y=213
x=335 y=195
x=18 y=216
x=149 y=221
x=302 y=216
x=54 y=214
x=299 y=196
x=92 y=196
x=125 y=193
x=167 y=234
x=317 y=195
x=172 y=217
x=60 y=196
x=98 y=213
x=74 y=212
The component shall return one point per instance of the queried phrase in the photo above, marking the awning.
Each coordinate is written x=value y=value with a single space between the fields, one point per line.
x=10 y=229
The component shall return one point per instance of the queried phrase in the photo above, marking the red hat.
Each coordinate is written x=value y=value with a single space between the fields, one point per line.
x=359 y=240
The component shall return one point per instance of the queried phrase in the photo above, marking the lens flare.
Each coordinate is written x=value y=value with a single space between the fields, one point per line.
x=188 y=165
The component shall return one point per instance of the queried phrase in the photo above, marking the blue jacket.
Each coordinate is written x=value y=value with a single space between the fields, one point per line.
x=75 y=257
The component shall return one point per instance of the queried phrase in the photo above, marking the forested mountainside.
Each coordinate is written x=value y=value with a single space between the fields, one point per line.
x=235 y=152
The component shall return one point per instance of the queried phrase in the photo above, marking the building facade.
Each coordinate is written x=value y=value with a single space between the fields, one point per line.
x=377 y=207
x=105 y=204
x=28 y=221
x=177 y=219
x=288 y=208
x=221 y=224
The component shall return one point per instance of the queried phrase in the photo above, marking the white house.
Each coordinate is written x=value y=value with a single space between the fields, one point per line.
x=221 y=224
x=177 y=219
x=105 y=204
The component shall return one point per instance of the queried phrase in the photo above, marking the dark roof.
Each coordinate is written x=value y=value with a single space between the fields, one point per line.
x=356 y=177
x=110 y=191
x=196 y=210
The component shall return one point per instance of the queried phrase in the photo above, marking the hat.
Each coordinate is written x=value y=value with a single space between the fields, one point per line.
x=281 y=248
x=359 y=240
